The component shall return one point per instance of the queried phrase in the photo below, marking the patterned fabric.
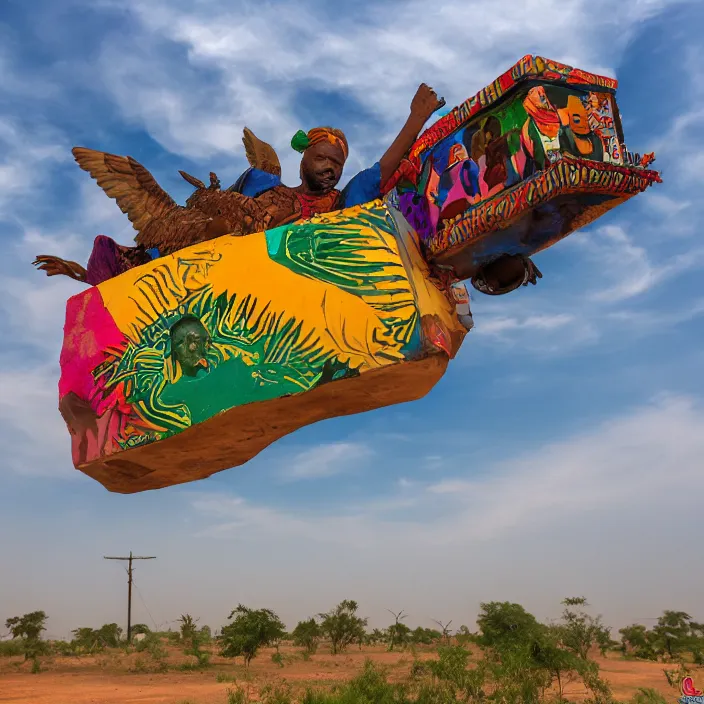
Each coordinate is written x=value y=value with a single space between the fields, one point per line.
x=302 y=140
x=315 y=205
x=362 y=188
x=110 y=259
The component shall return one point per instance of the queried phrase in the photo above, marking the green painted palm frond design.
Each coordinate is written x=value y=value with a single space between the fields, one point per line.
x=345 y=254
x=356 y=256
x=141 y=371
x=237 y=327
x=242 y=333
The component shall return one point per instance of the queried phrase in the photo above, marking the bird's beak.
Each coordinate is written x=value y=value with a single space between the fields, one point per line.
x=202 y=362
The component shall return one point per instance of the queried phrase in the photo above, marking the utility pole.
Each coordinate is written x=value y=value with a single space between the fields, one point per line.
x=129 y=587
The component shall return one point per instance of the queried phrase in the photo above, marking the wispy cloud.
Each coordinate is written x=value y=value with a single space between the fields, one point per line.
x=33 y=435
x=498 y=325
x=635 y=459
x=265 y=62
x=326 y=460
x=629 y=266
x=27 y=157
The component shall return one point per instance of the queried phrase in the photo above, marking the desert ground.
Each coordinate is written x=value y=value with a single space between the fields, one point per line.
x=114 y=677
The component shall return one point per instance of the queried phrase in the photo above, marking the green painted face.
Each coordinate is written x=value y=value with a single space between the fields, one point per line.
x=190 y=342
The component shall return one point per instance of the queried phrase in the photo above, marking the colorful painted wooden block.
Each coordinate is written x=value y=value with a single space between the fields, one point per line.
x=197 y=361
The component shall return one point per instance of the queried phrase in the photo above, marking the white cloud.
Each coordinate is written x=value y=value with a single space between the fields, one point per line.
x=498 y=325
x=261 y=59
x=638 y=459
x=27 y=156
x=643 y=458
x=326 y=460
x=33 y=435
x=628 y=265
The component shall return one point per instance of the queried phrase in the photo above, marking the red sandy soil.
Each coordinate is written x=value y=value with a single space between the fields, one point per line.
x=106 y=678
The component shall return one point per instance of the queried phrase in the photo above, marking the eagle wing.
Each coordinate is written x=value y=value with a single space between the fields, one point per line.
x=260 y=155
x=134 y=189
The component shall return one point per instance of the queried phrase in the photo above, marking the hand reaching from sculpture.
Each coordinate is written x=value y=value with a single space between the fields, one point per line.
x=55 y=266
x=425 y=102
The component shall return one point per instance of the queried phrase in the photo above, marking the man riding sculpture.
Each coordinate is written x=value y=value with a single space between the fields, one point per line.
x=256 y=202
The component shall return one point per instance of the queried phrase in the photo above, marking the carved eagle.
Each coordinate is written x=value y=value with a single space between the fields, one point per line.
x=260 y=155
x=160 y=222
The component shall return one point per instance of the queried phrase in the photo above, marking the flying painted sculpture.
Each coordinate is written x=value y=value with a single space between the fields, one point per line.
x=261 y=308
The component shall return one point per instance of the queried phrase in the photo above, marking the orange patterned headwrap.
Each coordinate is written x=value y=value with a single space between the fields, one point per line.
x=302 y=141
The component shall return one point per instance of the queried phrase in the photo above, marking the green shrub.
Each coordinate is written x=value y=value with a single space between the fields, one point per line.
x=369 y=687
x=12 y=648
x=61 y=647
x=648 y=696
x=276 y=694
x=238 y=695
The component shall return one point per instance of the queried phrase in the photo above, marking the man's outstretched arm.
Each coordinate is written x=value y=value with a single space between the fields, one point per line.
x=423 y=105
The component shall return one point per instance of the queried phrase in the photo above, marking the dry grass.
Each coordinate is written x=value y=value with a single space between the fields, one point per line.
x=118 y=678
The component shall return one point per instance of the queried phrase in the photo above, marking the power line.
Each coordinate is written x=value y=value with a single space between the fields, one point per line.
x=129 y=587
x=144 y=603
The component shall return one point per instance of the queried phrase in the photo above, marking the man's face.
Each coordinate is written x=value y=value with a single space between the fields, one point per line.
x=191 y=343
x=321 y=167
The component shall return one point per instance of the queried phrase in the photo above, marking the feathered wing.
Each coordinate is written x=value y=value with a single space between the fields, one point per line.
x=160 y=222
x=260 y=155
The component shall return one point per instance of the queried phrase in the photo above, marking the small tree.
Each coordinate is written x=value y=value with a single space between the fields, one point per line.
x=503 y=625
x=187 y=627
x=579 y=631
x=425 y=636
x=376 y=636
x=250 y=630
x=307 y=634
x=193 y=638
x=445 y=630
x=459 y=682
x=109 y=635
x=398 y=632
x=560 y=664
x=86 y=640
x=463 y=635
x=636 y=640
x=673 y=634
x=342 y=625
x=29 y=627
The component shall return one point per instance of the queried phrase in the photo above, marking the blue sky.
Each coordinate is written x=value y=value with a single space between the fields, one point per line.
x=562 y=453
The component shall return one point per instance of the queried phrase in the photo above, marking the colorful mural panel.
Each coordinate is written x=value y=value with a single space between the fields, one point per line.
x=512 y=142
x=518 y=167
x=235 y=323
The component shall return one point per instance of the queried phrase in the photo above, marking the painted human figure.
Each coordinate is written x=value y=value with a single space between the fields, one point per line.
x=260 y=199
x=576 y=137
x=496 y=153
x=540 y=132
x=459 y=183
